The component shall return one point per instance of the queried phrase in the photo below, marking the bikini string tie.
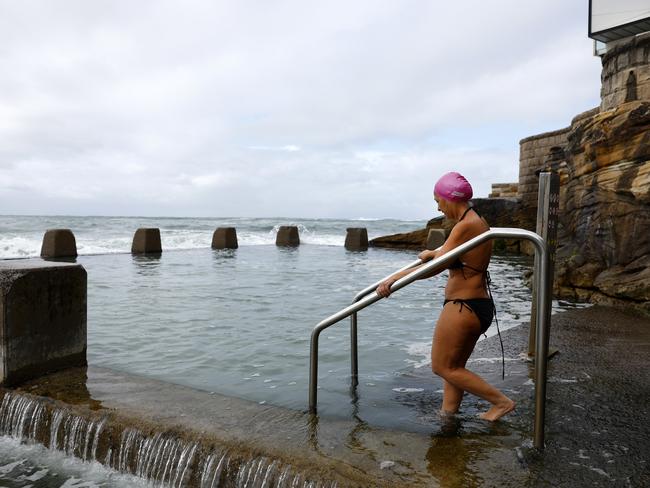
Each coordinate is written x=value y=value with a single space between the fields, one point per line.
x=488 y=281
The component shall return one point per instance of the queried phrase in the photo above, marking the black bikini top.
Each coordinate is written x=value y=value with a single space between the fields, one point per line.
x=458 y=264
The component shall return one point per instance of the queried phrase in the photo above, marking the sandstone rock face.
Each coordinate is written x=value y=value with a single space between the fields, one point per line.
x=603 y=159
x=605 y=199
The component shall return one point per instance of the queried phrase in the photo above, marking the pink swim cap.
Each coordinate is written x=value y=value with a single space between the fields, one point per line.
x=453 y=187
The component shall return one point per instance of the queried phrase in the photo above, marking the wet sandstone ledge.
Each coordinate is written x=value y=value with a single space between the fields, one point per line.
x=126 y=405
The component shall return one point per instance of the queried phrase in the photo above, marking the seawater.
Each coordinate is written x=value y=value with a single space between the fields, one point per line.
x=21 y=236
x=238 y=322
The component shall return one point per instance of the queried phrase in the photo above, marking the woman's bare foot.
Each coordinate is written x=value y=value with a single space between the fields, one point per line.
x=499 y=410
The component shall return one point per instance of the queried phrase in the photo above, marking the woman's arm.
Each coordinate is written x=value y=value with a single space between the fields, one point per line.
x=457 y=236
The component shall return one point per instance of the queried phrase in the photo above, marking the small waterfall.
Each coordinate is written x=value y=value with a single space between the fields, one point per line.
x=161 y=457
x=74 y=435
x=20 y=417
x=259 y=472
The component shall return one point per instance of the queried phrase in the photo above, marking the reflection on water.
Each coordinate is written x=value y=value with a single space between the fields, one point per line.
x=146 y=264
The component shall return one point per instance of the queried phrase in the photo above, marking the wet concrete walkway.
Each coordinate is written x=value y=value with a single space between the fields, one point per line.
x=597 y=428
x=597 y=431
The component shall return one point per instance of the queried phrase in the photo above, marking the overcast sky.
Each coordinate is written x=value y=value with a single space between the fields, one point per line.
x=277 y=108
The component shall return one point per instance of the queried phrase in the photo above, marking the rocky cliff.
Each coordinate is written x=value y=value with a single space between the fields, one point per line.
x=603 y=159
x=604 y=236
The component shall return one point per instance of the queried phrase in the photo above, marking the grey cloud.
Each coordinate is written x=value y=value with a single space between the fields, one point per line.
x=165 y=102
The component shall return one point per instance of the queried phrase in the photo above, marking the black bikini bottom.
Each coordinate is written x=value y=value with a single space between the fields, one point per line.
x=483 y=308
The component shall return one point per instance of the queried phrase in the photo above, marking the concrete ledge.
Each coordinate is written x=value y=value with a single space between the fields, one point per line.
x=356 y=239
x=59 y=243
x=42 y=318
x=124 y=413
x=225 y=238
x=146 y=241
x=288 y=236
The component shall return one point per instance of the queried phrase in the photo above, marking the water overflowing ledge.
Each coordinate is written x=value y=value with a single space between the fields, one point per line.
x=178 y=436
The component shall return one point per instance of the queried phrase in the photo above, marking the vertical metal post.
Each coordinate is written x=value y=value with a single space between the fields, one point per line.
x=313 y=371
x=544 y=287
x=548 y=204
x=354 y=357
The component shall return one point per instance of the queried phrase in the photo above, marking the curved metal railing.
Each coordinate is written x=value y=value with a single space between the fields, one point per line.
x=366 y=297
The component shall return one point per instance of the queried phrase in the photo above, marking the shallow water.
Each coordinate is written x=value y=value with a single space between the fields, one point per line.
x=239 y=322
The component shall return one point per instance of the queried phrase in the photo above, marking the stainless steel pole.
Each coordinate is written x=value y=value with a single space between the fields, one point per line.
x=542 y=338
x=354 y=352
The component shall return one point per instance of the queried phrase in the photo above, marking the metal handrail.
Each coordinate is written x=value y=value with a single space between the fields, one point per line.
x=542 y=273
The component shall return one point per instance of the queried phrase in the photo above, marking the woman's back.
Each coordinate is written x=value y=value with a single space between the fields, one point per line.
x=467 y=275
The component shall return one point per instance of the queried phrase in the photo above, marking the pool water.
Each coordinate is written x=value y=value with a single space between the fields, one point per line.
x=238 y=322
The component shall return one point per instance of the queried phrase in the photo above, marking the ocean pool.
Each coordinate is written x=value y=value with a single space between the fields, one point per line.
x=238 y=322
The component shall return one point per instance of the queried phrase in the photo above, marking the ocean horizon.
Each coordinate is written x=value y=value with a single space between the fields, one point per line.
x=21 y=235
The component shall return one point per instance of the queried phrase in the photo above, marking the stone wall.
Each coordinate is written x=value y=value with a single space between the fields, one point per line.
x=534 y=153
x=504 y=190
x=626 y=72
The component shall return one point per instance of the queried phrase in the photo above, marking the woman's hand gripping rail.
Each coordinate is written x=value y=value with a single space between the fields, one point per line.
x=383 y=290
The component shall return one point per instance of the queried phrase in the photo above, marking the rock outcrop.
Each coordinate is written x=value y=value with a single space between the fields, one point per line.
x=603 y=159
x=604 y=253
x=499 y=212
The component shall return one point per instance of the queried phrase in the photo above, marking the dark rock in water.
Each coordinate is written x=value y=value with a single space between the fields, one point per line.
x=406 y=240
x=498 y=212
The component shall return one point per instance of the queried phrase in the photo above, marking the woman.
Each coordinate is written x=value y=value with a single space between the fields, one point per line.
x=468 y=308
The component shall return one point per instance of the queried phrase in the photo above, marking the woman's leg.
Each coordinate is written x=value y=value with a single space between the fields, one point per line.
x=452 y=395
x=456 y=333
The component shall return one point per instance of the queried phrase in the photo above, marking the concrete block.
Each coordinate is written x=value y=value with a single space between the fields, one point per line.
x=146 y=241
x=42 y=318
x=287 y=236
x=356 y=239
x=225 y=238
x=435 y=239
x=59 y=243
